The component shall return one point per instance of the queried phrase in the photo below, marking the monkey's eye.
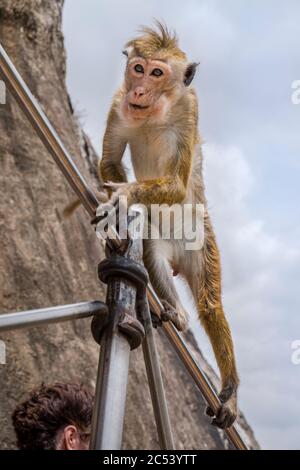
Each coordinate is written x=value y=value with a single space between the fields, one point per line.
x=139 y=68
x=157 y=72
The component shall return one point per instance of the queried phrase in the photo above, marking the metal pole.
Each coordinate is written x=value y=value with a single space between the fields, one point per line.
x=155 y=381
x=111 y=387
x=51 y=140
x=29 y=318
x=112 y=376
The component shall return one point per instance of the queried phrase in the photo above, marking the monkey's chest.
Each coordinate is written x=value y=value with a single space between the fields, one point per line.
x=151 y=153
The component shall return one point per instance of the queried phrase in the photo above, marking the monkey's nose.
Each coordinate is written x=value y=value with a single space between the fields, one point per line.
x=139 y=92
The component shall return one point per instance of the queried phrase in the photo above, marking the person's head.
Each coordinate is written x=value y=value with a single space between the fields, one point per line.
x=54 y=417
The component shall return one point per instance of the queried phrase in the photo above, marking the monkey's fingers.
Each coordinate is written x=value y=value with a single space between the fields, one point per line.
x=102 y=197
x=171 y=314
x=227 y=412
x=156 y=321
x=114 y=186
x=109 y=207
x=95 y=220
x=102 y=212
x=209 y=411
x=225 y=417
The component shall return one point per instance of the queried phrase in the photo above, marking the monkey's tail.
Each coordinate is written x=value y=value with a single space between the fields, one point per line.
x=71 y=208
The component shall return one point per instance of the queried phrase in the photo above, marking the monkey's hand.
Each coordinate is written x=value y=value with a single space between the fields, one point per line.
x=119 y=189
x=107 y=214
x=228 y=411
x=113 y=186
x=110 y=207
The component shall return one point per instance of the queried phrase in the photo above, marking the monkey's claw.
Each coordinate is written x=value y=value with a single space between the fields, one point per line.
x=170 y=313
x=228 y=411
x=156 y=321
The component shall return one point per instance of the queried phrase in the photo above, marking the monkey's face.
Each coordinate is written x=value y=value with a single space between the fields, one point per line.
x=151 y=87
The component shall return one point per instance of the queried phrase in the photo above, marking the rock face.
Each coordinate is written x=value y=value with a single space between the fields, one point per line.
x=47 y=261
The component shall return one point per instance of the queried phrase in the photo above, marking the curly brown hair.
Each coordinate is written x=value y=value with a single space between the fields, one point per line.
x=49 y=409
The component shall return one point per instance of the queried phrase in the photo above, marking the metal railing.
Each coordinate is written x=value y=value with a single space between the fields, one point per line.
x=51 y=140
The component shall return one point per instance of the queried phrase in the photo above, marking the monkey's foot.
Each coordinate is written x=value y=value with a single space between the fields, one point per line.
x=228 y=411
x=156 y=321
x=176 y=315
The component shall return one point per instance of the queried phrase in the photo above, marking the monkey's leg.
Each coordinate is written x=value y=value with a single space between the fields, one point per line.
x=205 y=283
x=162 y=281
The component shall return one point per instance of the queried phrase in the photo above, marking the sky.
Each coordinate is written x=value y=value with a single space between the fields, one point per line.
x=249 y=54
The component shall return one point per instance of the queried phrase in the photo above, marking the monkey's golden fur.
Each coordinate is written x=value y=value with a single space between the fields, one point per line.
x=156 y=114
x=150 y=43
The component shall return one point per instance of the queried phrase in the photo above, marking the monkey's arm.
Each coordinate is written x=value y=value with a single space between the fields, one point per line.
x=110 y=166
x=168 y=189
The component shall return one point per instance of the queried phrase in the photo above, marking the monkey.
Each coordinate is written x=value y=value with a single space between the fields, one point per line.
x=155 y=113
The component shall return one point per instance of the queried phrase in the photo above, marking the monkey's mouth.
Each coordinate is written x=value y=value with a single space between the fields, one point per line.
x=138 y=106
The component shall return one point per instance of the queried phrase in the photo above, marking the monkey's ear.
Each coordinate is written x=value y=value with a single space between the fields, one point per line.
x=190 y=73
x=127 y=51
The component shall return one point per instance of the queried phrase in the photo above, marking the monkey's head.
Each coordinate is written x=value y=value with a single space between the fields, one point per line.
x=157 y=75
